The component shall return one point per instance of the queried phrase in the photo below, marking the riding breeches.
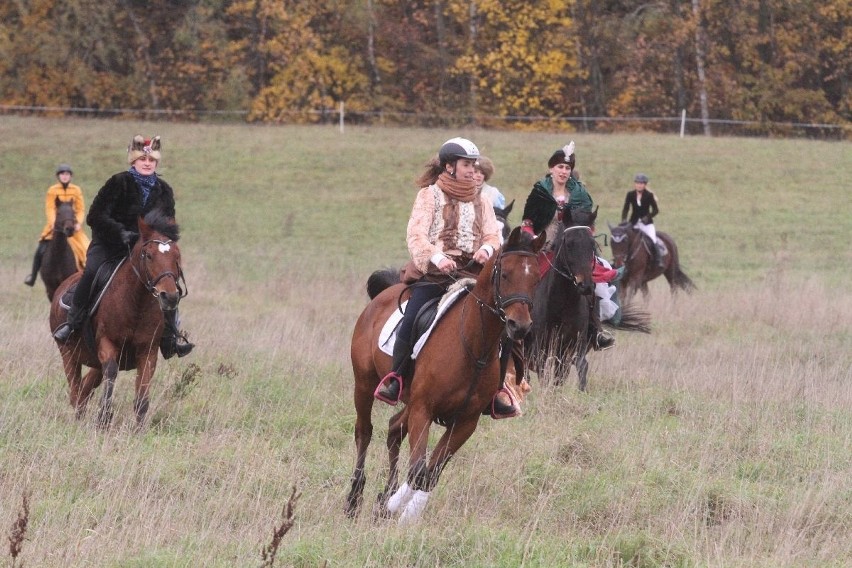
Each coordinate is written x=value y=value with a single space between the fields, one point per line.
x=421 y=293
x=648 y=230
x=96 y=255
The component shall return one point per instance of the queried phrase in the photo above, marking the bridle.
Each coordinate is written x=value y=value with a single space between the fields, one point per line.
x=151 y=283
x=567 y=273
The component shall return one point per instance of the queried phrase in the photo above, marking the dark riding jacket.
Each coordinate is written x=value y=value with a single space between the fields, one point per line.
x=118 y=205
x=647 y=210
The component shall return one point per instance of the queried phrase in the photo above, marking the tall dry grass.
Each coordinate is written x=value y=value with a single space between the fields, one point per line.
x=721 y=439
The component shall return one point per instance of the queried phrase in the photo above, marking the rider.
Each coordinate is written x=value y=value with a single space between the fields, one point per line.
x=550 y=197
x=484 y=169
x=451 y=224
x=113 y=218
x=65 y=191
x=644 y=204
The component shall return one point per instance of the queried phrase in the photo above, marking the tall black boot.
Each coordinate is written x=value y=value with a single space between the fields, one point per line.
x=39 y=254
x=390 y=388
x=661 y=258
x=173 y=342
x=601 y=339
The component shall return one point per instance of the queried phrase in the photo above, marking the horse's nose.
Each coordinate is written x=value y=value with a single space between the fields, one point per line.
x=518 y=329
x=168 y=301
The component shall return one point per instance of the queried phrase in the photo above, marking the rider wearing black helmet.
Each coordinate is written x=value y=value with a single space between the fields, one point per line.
x=451 y=224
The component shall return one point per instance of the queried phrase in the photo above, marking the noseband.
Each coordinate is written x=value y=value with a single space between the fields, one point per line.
x=149 y=283
x=502 y=302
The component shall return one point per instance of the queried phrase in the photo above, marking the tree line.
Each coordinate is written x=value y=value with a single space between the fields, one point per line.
x=761 y=61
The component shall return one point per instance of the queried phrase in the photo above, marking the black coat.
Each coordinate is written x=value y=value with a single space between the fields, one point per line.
x=118 y=206
x=647 y=210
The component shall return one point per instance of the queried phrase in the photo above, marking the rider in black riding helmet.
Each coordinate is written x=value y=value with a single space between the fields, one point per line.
x=451 y=224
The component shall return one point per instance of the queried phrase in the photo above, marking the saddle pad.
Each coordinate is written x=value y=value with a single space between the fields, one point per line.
x=387 y=337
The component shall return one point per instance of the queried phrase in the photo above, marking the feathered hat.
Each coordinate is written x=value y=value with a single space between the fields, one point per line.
x=140 y=146
x=564 y=155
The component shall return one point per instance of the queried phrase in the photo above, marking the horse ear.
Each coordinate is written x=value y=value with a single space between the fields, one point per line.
x=57 y=201
x=508 y=209
x=608 y=225
x=144 y=228
x=514 y=236
x=539 y=241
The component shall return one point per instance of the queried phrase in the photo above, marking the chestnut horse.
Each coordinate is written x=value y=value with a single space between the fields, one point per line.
x=128 y=321
x=58 y=262
x=631 y=248
x=455 y=378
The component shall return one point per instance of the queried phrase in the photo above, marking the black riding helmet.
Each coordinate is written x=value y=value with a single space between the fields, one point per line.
x=456 y=148
x=64 y=168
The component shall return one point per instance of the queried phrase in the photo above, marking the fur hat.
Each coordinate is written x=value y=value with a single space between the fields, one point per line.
x=143 y=147
x=564 y=155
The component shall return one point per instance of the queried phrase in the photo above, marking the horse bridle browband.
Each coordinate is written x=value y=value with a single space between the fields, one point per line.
x=500 y=302
x=150 y=284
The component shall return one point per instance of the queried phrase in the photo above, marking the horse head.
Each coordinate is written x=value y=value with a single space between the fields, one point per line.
x=582 y=217
x=574 y=254
x=514 y=275
x=620 y=238
x=502 y=216
x=156 y=258
x=65 y=221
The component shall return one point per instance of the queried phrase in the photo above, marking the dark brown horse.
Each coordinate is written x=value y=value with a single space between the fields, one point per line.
x=561 y=315
x=128 y=322
x=58 y=262
x=455 y=378
x=559 y=334
x=632 y=249
x=502 y=215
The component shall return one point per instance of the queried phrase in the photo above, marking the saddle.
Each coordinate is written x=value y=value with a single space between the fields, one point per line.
x=103 y=278
x=649 y=245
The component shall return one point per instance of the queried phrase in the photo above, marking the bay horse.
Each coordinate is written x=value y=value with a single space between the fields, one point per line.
x=631 y=248
x=455 y=378
x=127 y=324
x=58 y=261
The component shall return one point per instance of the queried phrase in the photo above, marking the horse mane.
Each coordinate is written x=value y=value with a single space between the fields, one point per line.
x=163 y=224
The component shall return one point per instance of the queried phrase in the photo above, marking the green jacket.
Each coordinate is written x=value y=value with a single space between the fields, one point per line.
x=540 y=207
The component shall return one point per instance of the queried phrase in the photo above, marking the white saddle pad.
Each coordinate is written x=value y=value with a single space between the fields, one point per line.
x=387 y=337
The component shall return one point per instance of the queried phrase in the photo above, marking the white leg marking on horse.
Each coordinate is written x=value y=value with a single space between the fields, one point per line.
x=401 y=498
x=415 y=508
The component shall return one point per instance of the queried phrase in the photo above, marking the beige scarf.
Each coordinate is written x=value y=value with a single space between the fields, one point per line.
x=460 y=190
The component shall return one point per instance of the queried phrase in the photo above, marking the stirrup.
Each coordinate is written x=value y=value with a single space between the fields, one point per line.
x=389 y=389
x=500 y=410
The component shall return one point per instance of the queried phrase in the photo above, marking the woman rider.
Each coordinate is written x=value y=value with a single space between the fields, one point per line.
x=113 y=218
x=451 y=224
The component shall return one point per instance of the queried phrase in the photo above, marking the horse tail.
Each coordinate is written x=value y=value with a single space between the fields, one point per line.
x=633 y=318
x=381 y=280
x=682 y=281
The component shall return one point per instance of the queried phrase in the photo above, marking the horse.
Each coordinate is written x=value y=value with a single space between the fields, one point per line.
x=127 y=323
x=631 y=248
x=502 y=215
x=58 y=262
x=564 y=298
x=455 y=378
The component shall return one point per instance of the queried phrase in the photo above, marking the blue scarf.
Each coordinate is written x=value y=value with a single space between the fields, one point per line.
x=144 y=183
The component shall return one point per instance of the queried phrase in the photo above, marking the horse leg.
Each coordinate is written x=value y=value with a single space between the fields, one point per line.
x=146 y=364
x=73 y=373
x=110 y=372
x=582 y=367
x=426 y=478
x=397 y=430
x=90 y=383
x=419 y=422
x=363 y=435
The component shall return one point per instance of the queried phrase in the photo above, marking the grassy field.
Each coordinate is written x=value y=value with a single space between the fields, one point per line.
x=722 y=439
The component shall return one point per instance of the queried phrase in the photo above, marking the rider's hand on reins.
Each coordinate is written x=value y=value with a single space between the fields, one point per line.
x=447 y=266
